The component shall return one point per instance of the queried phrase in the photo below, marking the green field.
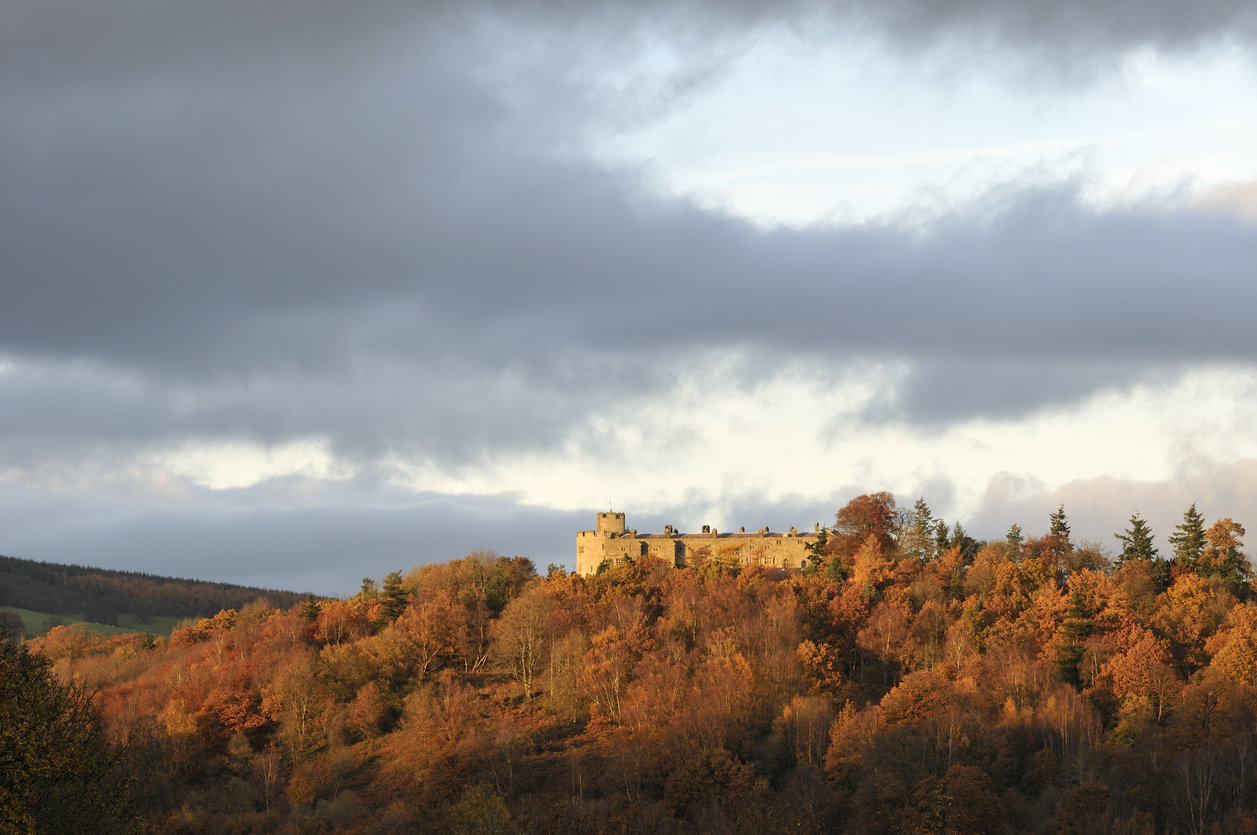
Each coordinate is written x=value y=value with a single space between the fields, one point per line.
x=38 y=623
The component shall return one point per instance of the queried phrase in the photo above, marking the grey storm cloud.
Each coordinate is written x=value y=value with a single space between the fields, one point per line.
x=379 y=223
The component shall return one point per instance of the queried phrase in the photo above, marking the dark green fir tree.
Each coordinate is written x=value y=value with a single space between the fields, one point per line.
x=816 y=552
x=1075 y=630
x=1060 y=525
x=393 y=598
x=1188 y=539
x=942 y=535
x=918 y=539
x=310 y=608
x=960 y=539
x=1136 y=542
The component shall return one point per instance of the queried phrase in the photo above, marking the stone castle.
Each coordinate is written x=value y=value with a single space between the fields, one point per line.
x=611 y=543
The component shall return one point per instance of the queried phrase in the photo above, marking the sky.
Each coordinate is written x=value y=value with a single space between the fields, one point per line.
x=299 y=292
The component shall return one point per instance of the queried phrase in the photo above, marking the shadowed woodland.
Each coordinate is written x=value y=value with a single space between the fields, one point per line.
x=103 y=594
x=910 y=680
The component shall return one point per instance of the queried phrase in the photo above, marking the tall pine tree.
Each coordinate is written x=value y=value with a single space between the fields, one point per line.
x=1136 y=542
x=1188 y=539
x=960 y=539
x=1060 y=525
x=1075 y=630
x=393 y=598
x=919 y=538
x=310 y=607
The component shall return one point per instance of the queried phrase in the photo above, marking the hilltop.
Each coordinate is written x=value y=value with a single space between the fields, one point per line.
x=47 y=593
x=909 y=679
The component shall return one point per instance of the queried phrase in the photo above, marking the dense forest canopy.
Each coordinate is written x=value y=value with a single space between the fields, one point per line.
x=102 y=593
x=910 y=680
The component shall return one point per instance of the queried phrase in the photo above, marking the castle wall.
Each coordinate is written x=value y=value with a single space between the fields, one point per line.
x=611 y=542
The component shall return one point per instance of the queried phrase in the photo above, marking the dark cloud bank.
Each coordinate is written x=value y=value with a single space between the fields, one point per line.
x=376 y=225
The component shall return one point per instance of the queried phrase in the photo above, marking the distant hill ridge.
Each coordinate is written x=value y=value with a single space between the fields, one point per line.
x=105 y=593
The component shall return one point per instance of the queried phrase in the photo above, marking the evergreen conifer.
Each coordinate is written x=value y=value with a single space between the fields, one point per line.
x=1188 y=539
x=1136 y=542
x=1074 y=633
x=920 y=542
x=393 y=598
x=960 y=539
x=816 y=552
x=942 y=535
x=1060 y=525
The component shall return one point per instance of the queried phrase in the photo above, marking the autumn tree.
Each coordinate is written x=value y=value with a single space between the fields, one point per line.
x=886 y=637
x=1221 y=556
x=861 y=518
x=520 y=636
x=425 y=636
x=296 y=700
x=1188 y=614
x=337 y=621
x=1142 y=678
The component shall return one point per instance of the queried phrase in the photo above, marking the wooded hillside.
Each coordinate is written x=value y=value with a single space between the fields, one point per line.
x=911 y=680
x=104 y=594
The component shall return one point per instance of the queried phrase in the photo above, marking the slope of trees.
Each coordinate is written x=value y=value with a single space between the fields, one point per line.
x=914 y=680
x=103 y=594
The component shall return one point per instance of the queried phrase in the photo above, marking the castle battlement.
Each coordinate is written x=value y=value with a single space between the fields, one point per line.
x=612 y=542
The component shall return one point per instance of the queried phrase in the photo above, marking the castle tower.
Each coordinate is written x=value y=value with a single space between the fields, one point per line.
x=610 y=524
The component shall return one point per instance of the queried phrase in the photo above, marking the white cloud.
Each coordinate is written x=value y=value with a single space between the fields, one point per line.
x=712 y=439
x=227 y=464
x=800 y=132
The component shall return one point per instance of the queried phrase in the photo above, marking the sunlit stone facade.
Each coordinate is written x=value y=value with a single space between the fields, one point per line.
x=612 y=542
